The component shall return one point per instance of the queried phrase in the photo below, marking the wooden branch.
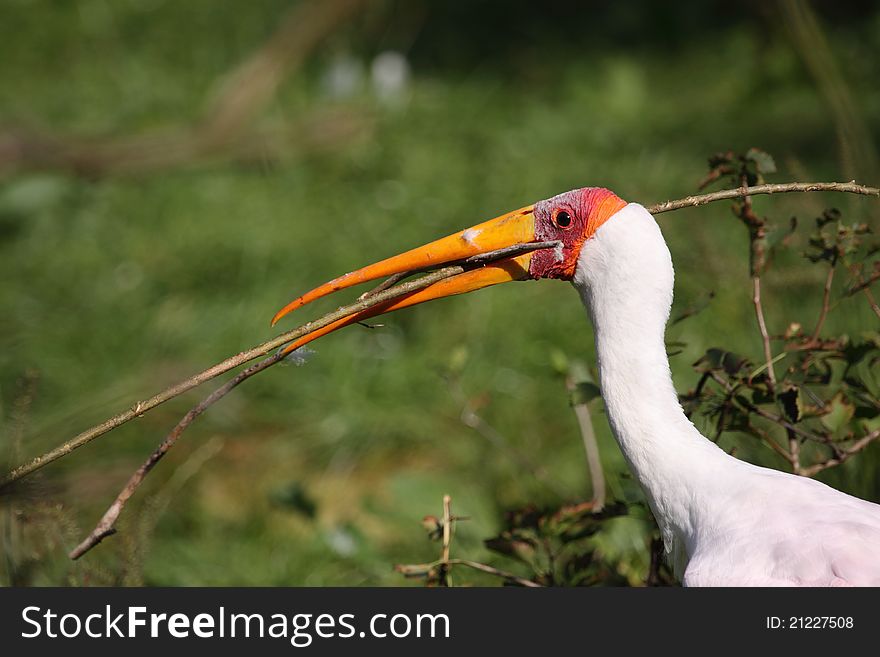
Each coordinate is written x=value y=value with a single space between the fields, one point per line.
x=107 y=525
x=141 y=407
x=777 y=188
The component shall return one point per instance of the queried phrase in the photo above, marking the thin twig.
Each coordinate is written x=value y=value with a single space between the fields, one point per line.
x=494 y=571
x=141 y=407
x=844 y=455
x=762 y=327
x=823 y=313
x=107 y=525
x=445 y=578
x=447 y=528
x=384 y=285
x=443 y=566
x=594 y=462
x=422 y=569
x=777 y=188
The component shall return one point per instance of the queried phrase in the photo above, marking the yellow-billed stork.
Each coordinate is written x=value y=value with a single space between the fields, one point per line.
x=723 y=521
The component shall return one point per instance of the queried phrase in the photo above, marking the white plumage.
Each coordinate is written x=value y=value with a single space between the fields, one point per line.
x=724 y=522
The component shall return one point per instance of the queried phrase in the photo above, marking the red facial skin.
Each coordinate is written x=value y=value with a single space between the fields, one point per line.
x=571 y=218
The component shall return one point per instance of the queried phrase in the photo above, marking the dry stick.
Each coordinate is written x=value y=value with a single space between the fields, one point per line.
x=776 y=188
x=141 y=407
x=106 y=526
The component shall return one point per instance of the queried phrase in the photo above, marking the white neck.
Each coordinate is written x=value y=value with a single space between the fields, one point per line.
x=625 y=279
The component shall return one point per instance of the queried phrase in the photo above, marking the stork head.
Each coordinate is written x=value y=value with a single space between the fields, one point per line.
x=570 y=219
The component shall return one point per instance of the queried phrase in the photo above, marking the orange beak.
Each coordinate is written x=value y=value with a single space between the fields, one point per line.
x=513 y=228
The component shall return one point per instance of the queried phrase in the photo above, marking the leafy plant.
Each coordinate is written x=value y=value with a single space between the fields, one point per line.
x=822 y=407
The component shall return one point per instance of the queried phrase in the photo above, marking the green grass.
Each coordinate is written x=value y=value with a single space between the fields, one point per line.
x=112 y=289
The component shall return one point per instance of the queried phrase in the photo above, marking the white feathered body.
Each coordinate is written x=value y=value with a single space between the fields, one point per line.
x=724 y=521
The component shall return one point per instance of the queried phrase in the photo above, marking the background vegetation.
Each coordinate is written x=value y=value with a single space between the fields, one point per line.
x=118 y=279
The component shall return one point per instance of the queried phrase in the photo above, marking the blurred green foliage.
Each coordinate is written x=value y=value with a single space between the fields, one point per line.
x=113 y=287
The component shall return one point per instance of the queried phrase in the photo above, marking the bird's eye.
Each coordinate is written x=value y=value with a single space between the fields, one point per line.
x=562 y=219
